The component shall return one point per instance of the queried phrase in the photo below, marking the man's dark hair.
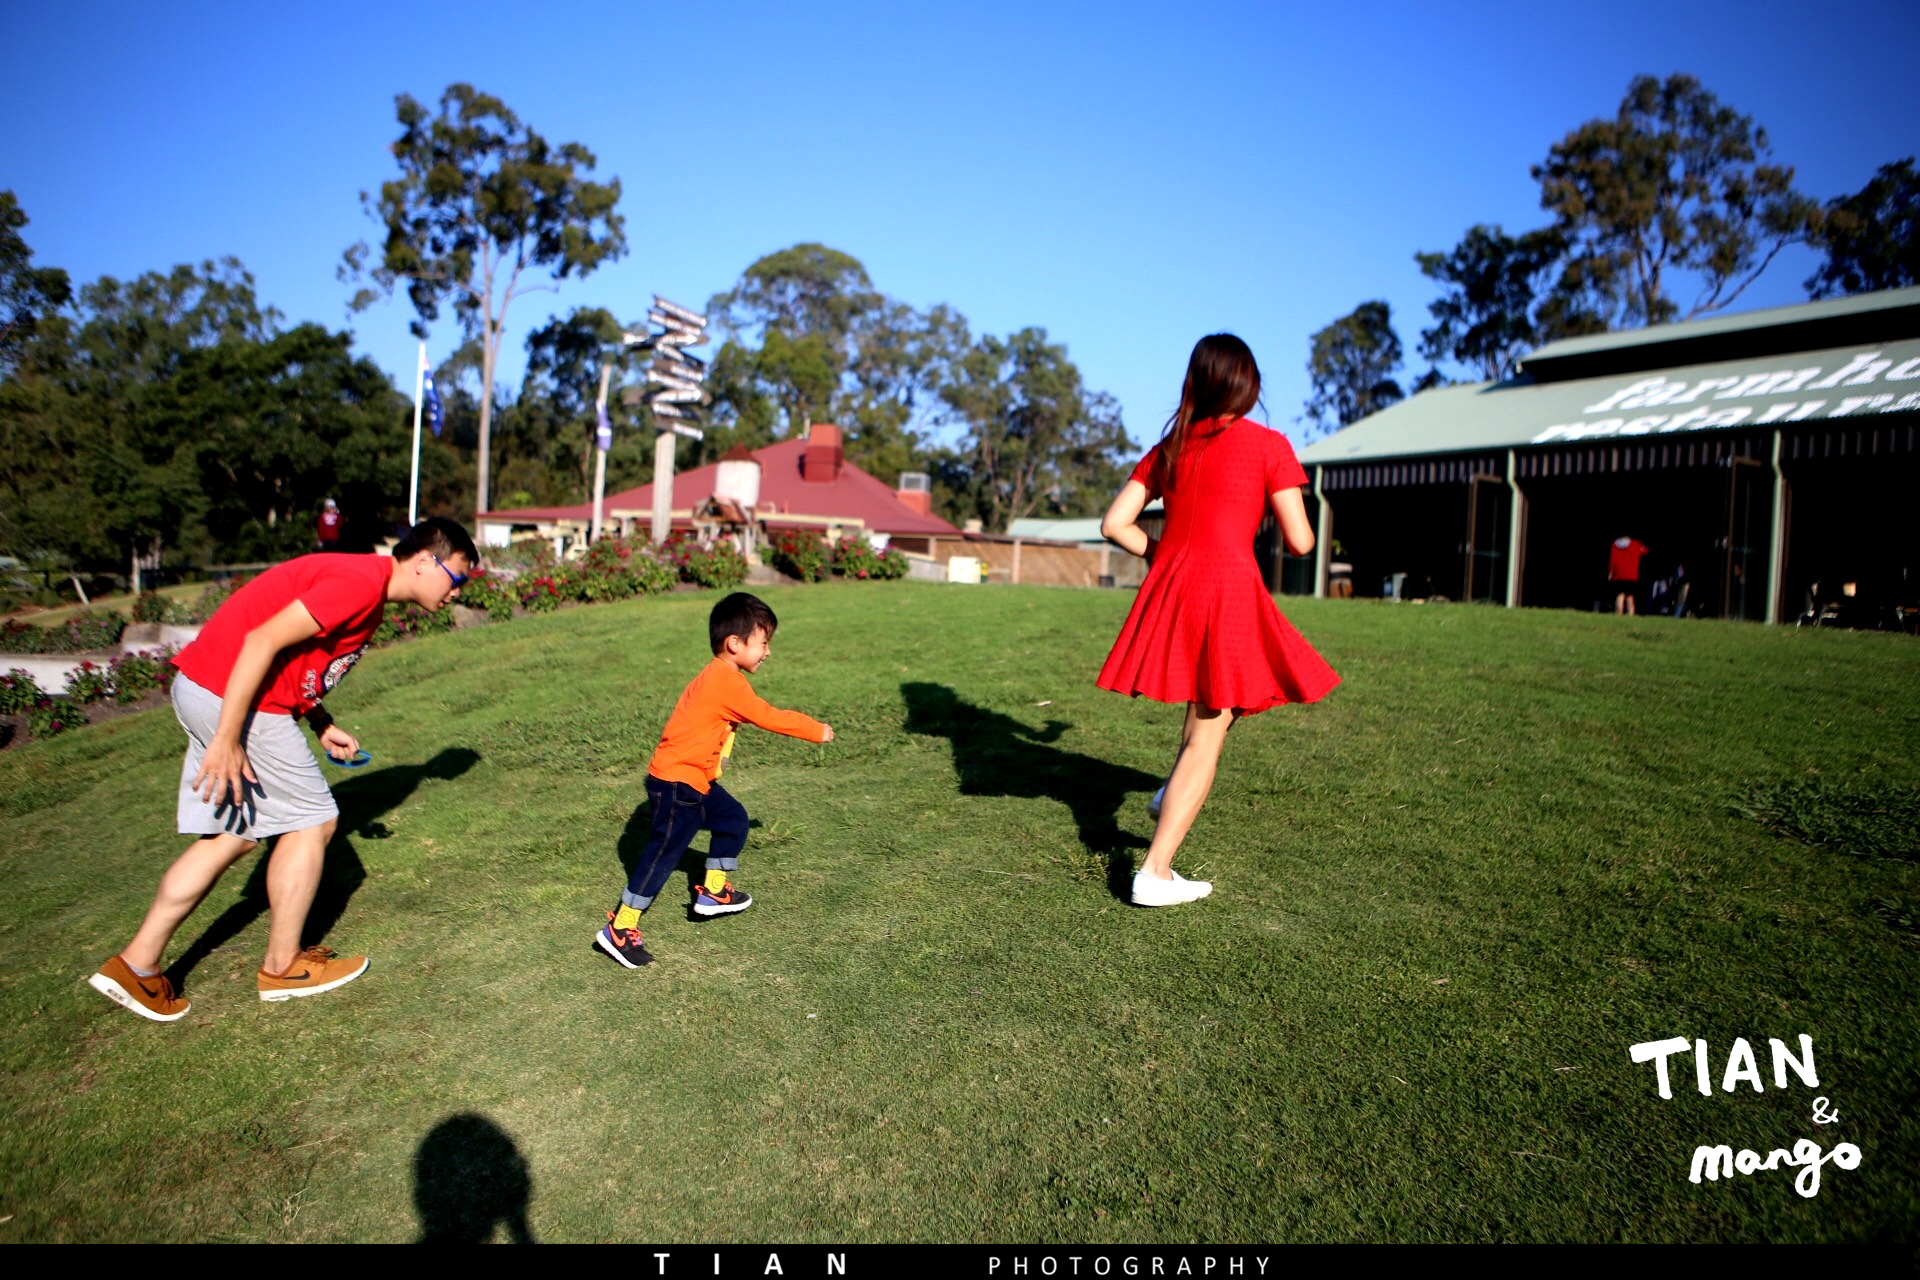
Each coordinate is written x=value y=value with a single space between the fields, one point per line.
x=439 y=536
x=739 y=615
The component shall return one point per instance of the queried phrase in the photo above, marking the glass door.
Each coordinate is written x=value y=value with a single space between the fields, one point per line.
x=1743 y=584
x=1489 y=520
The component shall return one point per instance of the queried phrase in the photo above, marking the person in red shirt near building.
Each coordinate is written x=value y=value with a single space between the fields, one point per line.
x=326 y=530
x=267 y=657
x=1623 y=572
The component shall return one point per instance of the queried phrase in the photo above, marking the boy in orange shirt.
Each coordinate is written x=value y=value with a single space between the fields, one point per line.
x=682 y=777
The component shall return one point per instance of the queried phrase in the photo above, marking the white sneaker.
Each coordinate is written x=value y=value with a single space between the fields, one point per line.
x=1159 y=798
x=1198 y=888
x=1151 y=891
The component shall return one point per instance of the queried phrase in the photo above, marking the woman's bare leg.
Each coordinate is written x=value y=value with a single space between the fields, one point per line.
x=1201 y=738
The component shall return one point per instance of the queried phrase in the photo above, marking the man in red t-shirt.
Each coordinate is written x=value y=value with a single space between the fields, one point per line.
x=1623 y=572
x=267 y=657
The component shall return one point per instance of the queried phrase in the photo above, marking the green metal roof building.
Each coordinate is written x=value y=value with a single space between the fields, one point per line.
x=1769 y=461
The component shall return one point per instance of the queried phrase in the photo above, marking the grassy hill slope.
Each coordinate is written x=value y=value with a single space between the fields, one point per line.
x=1449 y=898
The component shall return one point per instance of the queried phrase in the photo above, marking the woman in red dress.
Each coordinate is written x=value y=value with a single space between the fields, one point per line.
x=1204 y=630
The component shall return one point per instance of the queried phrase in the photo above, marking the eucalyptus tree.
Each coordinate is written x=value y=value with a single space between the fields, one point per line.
x=555 y=420
x=171 y=413
x=1505 y=295
x=1674 y=181
x=791 y=318
x=28 y=294
x=1351 y=366
x=483 y=208
x=1035 y=437
x=808 y=338
x=1872 y=238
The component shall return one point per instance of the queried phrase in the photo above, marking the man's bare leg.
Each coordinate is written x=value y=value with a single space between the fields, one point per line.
x=293 y=877
x=183 y=888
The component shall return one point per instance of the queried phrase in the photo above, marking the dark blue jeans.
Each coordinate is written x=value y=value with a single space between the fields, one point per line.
x=679 y=813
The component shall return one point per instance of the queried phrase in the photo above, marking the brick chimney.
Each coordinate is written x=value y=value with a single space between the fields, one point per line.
x=915 y=492
x=824 y=457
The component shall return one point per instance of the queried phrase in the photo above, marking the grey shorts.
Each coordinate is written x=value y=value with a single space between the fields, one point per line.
x=290 y=794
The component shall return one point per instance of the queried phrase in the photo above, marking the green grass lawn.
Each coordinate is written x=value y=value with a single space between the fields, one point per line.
x=1448 y=899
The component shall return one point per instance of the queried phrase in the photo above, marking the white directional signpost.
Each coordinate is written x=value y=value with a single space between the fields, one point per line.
x=675 y=393
x=603 y=437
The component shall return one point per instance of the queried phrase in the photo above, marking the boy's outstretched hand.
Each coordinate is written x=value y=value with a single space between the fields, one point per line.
x=829 y=737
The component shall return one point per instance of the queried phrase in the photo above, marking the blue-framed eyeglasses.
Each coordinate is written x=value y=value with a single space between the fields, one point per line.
x=459 y=579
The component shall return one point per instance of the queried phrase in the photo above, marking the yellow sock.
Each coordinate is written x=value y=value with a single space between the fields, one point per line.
x=626 y=917
x=716 y=879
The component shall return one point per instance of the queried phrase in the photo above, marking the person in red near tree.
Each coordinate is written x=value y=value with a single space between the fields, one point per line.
x=326 y=530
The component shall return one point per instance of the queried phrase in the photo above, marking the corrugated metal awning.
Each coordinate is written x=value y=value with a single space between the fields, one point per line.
x=1850 y=385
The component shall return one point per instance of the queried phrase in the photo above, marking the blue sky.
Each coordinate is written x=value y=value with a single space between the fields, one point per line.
x=1127 y=177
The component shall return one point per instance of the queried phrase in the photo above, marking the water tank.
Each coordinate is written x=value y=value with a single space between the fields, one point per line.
x=737 y=479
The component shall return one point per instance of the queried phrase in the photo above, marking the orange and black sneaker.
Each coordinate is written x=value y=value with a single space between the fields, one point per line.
x=316 y=969
x=724 y=901
x=149 y=997
x=623 y=945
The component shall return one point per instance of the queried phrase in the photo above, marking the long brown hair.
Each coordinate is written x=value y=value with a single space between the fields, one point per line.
x=1222 y=382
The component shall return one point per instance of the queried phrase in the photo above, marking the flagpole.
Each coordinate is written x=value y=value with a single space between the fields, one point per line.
x=600 y=454
x=413 y=486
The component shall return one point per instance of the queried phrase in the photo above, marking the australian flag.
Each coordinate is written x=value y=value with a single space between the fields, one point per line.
x=430 y=404
x=604 y=436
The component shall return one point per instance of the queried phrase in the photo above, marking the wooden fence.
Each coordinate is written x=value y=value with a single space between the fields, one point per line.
x=1037 y=561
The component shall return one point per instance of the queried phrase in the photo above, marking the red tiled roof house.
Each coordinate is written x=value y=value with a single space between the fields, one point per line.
x=804 y=484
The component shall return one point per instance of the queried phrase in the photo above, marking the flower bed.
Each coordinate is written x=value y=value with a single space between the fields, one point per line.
x=801 y=555
x=719 y=567
x=854 y=557
x=87 y=632
x=18 y=692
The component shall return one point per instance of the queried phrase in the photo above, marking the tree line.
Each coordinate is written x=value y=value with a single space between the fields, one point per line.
x=175 y=418
x=1667 y=210
x=484 y=209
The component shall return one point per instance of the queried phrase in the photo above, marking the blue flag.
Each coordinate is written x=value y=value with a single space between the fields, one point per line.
x=605 y=434
x=430 y=406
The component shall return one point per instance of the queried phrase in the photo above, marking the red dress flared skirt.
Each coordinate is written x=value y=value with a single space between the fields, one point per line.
x=1209 y=633
x=1203 y=628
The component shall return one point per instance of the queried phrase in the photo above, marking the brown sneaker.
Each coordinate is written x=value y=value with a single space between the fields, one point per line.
x=149 y=997
x=317 y=970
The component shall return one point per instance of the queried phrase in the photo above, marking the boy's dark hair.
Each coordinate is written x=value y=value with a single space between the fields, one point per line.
x=739 y=615
x=440 y=537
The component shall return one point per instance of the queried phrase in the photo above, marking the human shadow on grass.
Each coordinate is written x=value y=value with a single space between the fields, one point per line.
x=363 y=800
x=997 y=755
x=469 y=1179
x=633 y=843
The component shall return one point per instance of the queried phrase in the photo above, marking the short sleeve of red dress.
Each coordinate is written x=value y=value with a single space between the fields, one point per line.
x=1147 y=472
x=1283 y=469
